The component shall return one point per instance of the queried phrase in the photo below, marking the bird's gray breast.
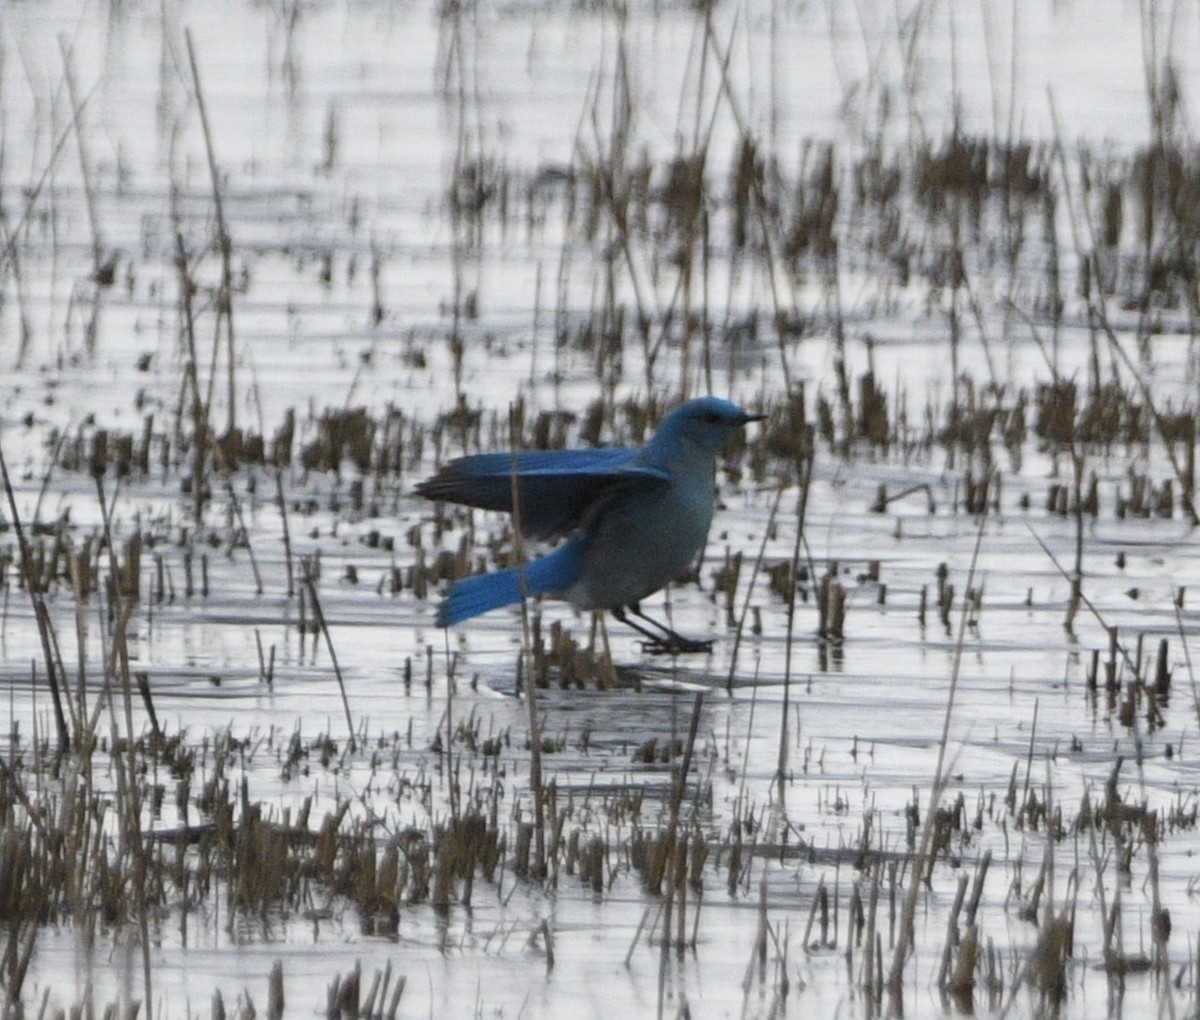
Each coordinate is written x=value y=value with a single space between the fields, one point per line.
x=639 y=542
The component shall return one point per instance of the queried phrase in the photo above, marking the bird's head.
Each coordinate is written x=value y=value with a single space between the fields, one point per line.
x=701 y=425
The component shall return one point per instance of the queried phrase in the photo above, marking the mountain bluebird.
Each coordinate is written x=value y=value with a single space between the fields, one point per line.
x=635 y=518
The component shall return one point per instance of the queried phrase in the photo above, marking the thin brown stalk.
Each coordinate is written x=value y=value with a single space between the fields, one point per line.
x=789 y=640
x=89 y=191
x=225 y=304
x=672 y=858
x=116 y=668
x=741 y=623
x=192 y=381
x=40 y=612
x=895 y=983
x=287 y=537
x=311 y=586
x=535 y=726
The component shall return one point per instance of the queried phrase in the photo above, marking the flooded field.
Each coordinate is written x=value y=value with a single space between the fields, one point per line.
x=267 y=266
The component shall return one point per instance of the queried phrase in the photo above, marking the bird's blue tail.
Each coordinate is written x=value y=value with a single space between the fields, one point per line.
x=482 y=593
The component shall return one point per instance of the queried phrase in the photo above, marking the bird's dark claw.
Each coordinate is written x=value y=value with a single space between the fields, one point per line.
x=676 y=644
x=662 y=640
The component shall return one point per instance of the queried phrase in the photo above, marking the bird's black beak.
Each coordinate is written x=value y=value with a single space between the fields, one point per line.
x=748 y=418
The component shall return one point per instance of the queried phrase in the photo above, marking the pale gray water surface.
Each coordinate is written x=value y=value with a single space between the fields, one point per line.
x=337 y=128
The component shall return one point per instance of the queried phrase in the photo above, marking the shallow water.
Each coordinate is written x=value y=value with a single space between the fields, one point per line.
x=337 y=129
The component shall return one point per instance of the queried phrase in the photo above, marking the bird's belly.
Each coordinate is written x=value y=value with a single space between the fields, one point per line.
x=640 y=546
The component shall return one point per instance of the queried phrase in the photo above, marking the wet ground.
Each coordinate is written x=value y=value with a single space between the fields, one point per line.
x=405 y=192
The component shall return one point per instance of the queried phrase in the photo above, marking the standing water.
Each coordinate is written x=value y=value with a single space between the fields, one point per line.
x=265 y=267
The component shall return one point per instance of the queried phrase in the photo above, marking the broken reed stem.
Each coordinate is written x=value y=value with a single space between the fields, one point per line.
x=789 y=639
x=235 y=505
x=201 y=435
x=89 y=191
x=116 y=668
x=637 y=935
x=673 y=861
x=1029 y=754
x=79 y=585
x=30 y=194
x=1187 y=656
x=535 y=727
x=895 y=981
x=870 y=959
x=192 y=376
x=1077 y=461
x=319 y=616
x=202 y=438
x=952 y=932
x=40 y=612
x=225 y=302
x=287 y=535
x=741 y=623
x=1115 y=645
x=17 y=960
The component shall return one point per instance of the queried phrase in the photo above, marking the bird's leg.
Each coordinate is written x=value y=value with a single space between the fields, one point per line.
x=650 y=636
x=672 y=640
x=663 y=642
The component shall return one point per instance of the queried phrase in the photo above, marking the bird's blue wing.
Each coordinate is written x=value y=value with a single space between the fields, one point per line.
x=556 y=487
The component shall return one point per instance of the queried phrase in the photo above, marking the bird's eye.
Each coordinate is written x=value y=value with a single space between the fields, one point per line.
x=712 y=417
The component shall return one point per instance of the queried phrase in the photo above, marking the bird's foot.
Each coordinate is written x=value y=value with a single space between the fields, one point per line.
x=662 y=640
x=675 y=644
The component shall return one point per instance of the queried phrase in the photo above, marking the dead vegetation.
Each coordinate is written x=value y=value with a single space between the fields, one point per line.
x=119 y=817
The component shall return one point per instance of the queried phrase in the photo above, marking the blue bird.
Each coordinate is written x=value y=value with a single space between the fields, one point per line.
x=635 y=518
